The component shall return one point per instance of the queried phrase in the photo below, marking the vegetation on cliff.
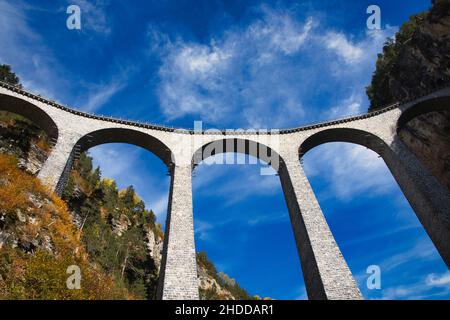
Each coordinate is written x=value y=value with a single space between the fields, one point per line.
x=219 y=286
x=24 y=139
x=114 y=227
x=416 y=60
x=8 y=76
x=379 y=92
x=38 y=241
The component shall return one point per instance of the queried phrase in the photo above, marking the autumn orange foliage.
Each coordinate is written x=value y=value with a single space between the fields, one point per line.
x=40 y=219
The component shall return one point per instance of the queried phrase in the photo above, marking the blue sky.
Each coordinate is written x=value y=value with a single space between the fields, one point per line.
x=238 y=64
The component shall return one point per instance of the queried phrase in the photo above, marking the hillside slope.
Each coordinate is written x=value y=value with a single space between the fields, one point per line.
x=38 y=242
x=417 y=61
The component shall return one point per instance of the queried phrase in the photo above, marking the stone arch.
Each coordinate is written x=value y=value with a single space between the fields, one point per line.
x=30 y=111
x=114 y=135
x=428 y=200
x=355 y=136
x=238 y=145
x=425 y=129
x=429 y=105
x=129 y=136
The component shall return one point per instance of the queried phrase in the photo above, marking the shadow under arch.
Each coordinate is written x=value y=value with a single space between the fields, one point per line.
x=30 y=111
x=430 y=105
x=115 y=135
x=424 y=128
x=128 y=136
x=236 y=145
x=355 y=136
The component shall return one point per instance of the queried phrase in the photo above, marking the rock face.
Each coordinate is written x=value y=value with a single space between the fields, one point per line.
x=428 y=136
x=23 y=140
x=154 y=246
x=120 y=225
x=35 y=159
x=207 y=283
x=419 y=61
x=24 y=229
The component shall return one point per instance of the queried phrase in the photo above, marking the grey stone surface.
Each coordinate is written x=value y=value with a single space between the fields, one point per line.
x=325 y=271
x=426 y=195
x=178 y=276
x=326 y=274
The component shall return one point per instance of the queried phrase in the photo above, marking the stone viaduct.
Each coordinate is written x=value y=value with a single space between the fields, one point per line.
x=326 y=273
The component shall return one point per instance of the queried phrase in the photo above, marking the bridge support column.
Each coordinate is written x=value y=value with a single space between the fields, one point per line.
x=178 y=273
x=427 y=196
x=56 y=168
x=325 y=271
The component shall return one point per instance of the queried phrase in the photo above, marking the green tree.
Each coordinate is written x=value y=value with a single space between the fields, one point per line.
x=223 y=280
x=378 y=91
x=8 y=76
x=101 y=206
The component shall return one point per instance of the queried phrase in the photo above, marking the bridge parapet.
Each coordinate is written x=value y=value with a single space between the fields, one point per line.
x=400 y=104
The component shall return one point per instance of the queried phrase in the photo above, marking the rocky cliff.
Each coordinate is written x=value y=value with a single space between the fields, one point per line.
x=415 y=62
x=39 y=241
x=25 y=140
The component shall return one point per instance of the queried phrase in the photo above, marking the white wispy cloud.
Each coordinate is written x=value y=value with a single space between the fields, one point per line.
x=278 y=32
x=400 y=265
x=99 y=95
x=218 y=81
x=432 y=286
x=204 y=230
x=438 y=279
x=350 y=170
x=24 y=48
x=242 y=181
x=420 y=252
x=349 y=106
x=348 y=51
x=382 y=233
x=262 y=74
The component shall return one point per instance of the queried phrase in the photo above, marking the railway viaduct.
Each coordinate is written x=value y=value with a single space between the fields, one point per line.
x=325 y=271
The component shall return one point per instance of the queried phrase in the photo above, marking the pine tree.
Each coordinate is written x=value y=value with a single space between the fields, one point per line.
x=8 y=76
